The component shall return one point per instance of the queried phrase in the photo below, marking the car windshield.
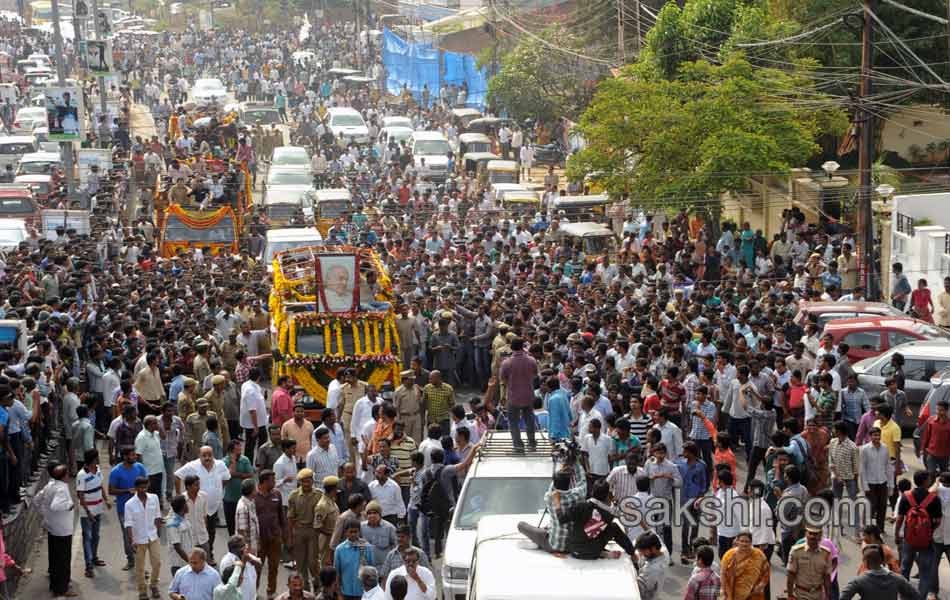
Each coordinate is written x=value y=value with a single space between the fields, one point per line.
x=331 y=209
x=600 y=244
x=485 y=496
x=275 y=247
x=261 y=116
x=398 y=122
x=15 y=205
x=176 y=231
x=431 y=148
x=347 y=121
x=209 y=86
x=311 y=341
x=930 y=332
x=291 y=158
x=12 y=236
x=16 y=148
x=35 y=168
x=289 y=178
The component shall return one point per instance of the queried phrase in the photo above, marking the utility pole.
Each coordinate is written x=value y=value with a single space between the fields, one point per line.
x=639 y=33
x=621 y=52
x=65 y=148
x=100 y=36
x=866 y=157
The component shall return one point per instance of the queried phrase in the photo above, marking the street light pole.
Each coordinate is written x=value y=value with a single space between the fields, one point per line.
x=66 y=148
x=866 y=157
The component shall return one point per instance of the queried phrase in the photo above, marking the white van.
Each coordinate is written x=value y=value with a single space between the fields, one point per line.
x=13 y=147
x=538 y=575
x=348 y=122
x=499 y=482
x=288 y=238
x=430 y=154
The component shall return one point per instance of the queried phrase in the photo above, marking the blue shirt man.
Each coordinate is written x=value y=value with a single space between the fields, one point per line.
x=195 y=585
x=175 y=387
x=349 y=556
x=693 y=472
x=559 y=413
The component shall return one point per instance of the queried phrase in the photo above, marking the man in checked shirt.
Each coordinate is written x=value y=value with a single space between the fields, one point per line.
x=558 y=501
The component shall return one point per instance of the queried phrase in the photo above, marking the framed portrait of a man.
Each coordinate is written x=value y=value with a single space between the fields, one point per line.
x=339 y=278
x=64 y=113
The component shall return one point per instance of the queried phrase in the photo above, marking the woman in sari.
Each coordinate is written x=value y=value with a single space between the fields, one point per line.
x=744 y=570
x=747 y=245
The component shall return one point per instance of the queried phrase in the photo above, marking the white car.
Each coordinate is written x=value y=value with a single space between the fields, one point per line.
x=206 y=91
x=28 y=118
x=397 y=122
x=349 y=123
x=291 y=156
x=498 y=483
x=13 y=148
x=430 y=152
x=12 y=232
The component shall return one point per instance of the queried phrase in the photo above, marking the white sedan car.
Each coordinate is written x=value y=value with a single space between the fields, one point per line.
x=206 y=91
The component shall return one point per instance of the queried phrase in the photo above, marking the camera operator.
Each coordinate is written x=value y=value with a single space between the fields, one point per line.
x=559 y=500
x=594 y=524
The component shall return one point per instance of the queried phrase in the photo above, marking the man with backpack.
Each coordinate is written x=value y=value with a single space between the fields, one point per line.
x=437 y=498
x=919 y=512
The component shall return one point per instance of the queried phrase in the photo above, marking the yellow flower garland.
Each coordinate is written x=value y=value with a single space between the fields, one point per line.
x=339 y=339
x=326 y=339
x=354 y=327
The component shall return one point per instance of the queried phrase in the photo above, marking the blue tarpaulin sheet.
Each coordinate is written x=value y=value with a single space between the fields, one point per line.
x=417 y=65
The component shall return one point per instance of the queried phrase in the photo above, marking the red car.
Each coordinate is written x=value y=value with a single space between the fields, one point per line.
x=870 y=336
x=19 y=201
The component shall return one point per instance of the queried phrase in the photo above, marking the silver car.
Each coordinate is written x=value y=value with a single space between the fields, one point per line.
x=922 y=359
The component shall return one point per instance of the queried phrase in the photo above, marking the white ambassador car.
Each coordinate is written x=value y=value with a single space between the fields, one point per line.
x=499 y=482
x=206 y=91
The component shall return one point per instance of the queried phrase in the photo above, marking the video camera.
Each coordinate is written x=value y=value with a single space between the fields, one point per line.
x=565 y=451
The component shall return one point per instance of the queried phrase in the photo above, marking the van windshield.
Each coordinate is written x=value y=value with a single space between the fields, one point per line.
x=16 y=148
x=487 y=496
x=431 y=148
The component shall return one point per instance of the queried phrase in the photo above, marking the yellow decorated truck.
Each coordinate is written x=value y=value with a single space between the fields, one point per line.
x=214 y=231
x=332 y=308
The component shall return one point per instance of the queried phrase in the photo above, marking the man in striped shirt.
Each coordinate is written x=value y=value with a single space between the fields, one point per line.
x=94 y=504
x=844 y=460
x=640 y=422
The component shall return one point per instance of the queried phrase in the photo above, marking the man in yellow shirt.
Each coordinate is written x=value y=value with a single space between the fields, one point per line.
x=890 y=430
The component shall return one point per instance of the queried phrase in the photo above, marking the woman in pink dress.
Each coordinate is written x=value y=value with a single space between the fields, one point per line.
x=922 y=303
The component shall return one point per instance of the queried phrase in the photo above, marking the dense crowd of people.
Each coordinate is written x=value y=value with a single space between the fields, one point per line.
x=670 y=364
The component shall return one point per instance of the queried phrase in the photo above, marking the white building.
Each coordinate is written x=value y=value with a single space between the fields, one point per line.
x=920 y=237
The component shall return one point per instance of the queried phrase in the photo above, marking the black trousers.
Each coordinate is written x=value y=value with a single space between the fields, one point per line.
x=155 y=485
x=60 y=554
x=211 y=523
x=15 y=479
x=757 y=458
x=592 y=550
x=230 y=510
x=877 y=496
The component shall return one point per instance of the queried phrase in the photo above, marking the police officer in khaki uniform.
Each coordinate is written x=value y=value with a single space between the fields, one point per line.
x=215 y=400
x=301 y=508
x=809 y=568
x=324 y=519
x=408 y=402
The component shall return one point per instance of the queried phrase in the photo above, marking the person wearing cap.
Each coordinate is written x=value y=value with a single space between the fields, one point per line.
x=379 y=532
x=201 y=366
x=809 y=567
x=409 y=408
x=196 y=424
x=324 y=519
x=302 y=536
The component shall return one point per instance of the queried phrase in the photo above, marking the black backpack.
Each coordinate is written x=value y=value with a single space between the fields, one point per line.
x=434 y=499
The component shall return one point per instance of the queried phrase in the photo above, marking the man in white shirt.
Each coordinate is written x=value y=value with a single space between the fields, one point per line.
x=238 y=551
x=148 y=446
x=432 y=441
x=211 y=474
x=369 y=577
x=93 y=503
x=56 y=505
x=386 y=491
x=285 y=470
x=419 y=580
x=597 y=449
x=253 y=415
x=143 y=518
x=335 y=389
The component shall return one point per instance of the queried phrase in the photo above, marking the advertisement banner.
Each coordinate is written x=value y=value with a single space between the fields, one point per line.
x=64 y=114
x=99 y=57
x=86 y=157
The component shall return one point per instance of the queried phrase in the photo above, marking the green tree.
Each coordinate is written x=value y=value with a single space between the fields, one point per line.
x=545 y=81
x=699 y=135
